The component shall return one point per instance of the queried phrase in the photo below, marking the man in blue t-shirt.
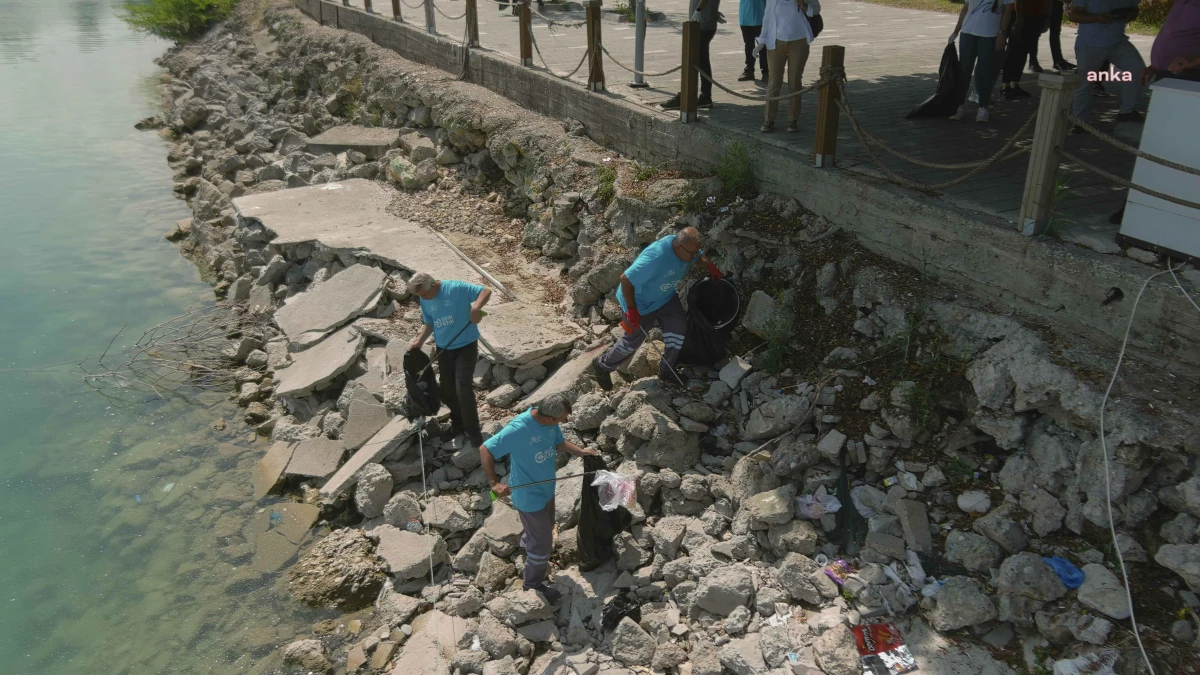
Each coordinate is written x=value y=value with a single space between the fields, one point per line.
x=531 y=441
x=647 y=297
x=450 y=311
x=1101 y=38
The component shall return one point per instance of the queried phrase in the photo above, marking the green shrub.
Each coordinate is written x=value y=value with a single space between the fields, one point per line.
x=735 y=168
x=607 y=178
x=779 y=332
x=177 y=20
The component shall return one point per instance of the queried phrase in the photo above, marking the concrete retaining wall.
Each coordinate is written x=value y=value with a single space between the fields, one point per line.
x=1061 y=284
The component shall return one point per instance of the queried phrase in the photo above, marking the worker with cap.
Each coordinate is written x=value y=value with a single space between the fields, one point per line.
x=450 y=311
x=532 y=441
x=647 y=297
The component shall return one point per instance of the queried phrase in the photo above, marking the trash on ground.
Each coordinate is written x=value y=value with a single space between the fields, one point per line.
x=817 y=504
x=616 y=490
x=1072 y=576
x=838 y=570
x=883 y=650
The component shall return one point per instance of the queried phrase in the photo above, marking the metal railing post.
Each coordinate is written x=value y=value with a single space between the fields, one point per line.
x=639 y=47
x=472 y=23
x=525 y=21
x=430 y=18
x=595 y=53
x=1048 y=136
x=689 y=79
x=833 y=58
x=396 y=11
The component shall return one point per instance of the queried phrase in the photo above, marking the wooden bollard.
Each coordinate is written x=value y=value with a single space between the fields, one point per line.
x=1048 y=136
x=525 y=23
x=430 y=18
x=595 y=53
x=689 y=78
x=833 y=58
x=367 y=6
x=396 y=11
x=472 y=23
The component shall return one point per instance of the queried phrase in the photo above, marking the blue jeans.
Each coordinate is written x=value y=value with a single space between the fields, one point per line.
x=978 y=54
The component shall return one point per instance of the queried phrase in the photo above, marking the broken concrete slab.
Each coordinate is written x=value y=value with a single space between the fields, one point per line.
x=421 y=655
x=570 y=379
x=374 y=142
x=398 y=430
x=318 y=365
x=278 y=532
x=313 y=314
x=375 y=379
x=270 y=468
x=915 y=521
x=316 y=457
x=367 y=416
x=408 y=554
x=521 y=334
x=352 y=215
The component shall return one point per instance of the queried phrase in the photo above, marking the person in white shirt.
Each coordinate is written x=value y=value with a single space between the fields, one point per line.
x=786 y=35
x=984 y=27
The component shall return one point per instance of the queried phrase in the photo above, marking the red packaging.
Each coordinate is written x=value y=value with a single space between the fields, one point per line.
x=883 y=650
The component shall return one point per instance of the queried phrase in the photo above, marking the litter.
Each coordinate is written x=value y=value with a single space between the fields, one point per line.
x=597 y=527
x=618 y=608
x=931 y=589
x=1072 y=576
x=615 y=490
x=777 y=619
x=838 y=570
x=883 y=650
x=817 y=504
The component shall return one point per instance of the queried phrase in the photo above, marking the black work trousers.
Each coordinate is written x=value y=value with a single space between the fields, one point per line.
x=703 y=63
x=456 y=388
x=1020 y=44
x=748 y=35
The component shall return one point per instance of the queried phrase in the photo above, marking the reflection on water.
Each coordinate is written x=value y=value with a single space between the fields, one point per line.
x=126 y=534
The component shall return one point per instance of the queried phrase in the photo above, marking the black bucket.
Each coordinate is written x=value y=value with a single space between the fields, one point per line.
x=713 y=308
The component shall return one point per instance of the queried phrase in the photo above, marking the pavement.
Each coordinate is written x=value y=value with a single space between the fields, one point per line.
x=892 y=56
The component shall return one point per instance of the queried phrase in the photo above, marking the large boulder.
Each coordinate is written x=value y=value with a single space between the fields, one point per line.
x=773 y=507
x=961 y=603
x=837 y=652
x=975 y=552
x=724 y=590
x=306 y=656
x=776 y=417
x=447 y=514
x=743 y=656
x=520 y=607
x=1183 y=560
x=1103 y=592
x=1025 y=584
x=631 y=645
x=340 y=571
x=796 y=576
x=372 y=490
x=412 y=176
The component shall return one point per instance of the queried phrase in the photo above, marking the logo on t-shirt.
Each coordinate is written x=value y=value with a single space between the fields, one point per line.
x=547 y=454
x=444 y=321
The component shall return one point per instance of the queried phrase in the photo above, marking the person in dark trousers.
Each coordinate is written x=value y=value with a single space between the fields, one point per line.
x=750 y=18
x=532 y=441
x=706 y=13
x=1055 y=26
x=983 y=25
x=450 y=311
x=1031 y=16
x=647 y=297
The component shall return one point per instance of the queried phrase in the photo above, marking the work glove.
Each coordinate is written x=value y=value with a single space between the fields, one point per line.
x=713 y=272
x=696 y=16
x=633 y=321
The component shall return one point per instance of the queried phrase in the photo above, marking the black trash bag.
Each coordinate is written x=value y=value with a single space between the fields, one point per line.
x=622 y=605
x=850 y=528
x=597 y=527
x=421 y=383
x=713 y=308
x=946 y=98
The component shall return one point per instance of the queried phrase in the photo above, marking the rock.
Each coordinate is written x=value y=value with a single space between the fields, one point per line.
x=774 y=507
x=974 y=501
x=504 y=395
x=446 y=513
x=412 y=176
x=1103 y=592
x=631 y=645
x=317 y=457
x=831 y=445
x=1025 y=583
x=886 y=545
x=589 y=411
x=309 y=316
x=568 y=493
x=193 y=113
x=717 y=393
x=373 y=490
x=1183 y=631
x=422 y=655
x=367 y=417
x=318 y=365
x=961 y=603
x=706 y=660
x=1182 y=529
x=668 y=655
x=836 y=652
x=733 y=372
x=751 y=477
x=759 y=312
x=743 y=656
x=975 y=552
x=668 y=534
x=407 y=553
x=776 y=417
x=493 y=573
x=1182 y=560
x=797 y=536
x=795 y=575
x=1002 y=530
x=724 y=589
x=518 y=607
x=1047 y=513
x=340 y=571
x=306 y=655
x=400 y=509
x=371 y=142
x=915 y=521
x=395 y=609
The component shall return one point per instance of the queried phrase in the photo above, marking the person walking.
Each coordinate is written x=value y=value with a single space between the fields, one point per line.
x=983 y=25
x=1054 y=24
x=750 y=18
x=451 y=312
x=647 y=298
x=532 y=441
x=1031 y=17
x=786 y=35
x=1176 y=50
x=707 y=14
x=1101 y=38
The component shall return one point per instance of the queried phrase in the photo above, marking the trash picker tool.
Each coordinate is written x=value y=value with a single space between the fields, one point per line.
x=494 y=496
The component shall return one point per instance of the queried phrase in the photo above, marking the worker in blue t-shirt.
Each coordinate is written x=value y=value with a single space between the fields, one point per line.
x=647 y=297
x=531 y=441
x=450 y=311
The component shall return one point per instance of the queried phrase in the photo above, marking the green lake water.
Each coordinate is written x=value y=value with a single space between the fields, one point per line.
x=110 y=515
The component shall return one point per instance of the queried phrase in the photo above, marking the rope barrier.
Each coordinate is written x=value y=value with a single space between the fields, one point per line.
x=934 y=165
x=1117 y=143
x=1001 y=155
x=1127 y=184
x=536 y=48
x=638 y=72
x=819 y=83
x=555 y=22
x=451 y=18
x=417 y=6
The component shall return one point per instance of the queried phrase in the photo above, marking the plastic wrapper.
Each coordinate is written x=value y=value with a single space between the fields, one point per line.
x=816 y=505
x=883 y=650
x=838 y=570
x=615 y=490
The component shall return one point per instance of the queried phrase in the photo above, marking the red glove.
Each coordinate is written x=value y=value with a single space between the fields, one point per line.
x=713 y=271
x=633 y=320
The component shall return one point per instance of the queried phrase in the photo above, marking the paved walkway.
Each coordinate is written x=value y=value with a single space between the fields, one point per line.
x=892 y=56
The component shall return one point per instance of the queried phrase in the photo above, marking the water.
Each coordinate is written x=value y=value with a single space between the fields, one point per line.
x=101 y=568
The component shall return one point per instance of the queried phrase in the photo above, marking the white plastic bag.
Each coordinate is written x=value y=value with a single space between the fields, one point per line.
x=615 y=490
x=817 y=505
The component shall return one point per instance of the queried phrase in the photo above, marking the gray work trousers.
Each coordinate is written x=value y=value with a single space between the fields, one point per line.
x=673 y=320
x=538 y=541
x=1124 y=57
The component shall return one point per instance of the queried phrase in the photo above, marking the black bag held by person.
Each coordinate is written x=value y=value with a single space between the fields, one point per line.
x=817 y=24
x=597 y=527
x=419 y=379
x=945 y=99
x=713 y=308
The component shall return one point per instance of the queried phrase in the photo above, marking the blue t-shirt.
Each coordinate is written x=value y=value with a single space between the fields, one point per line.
x=1101 y=34
x=654 y=275
x=532 y=450
x=448 y=311
x=750 y=12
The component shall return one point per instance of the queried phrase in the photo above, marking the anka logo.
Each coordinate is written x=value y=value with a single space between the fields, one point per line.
x=1110 y=75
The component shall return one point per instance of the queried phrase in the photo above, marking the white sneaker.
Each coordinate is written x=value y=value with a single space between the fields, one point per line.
x=982 y=115
x=962 y=112
x=974 y=97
